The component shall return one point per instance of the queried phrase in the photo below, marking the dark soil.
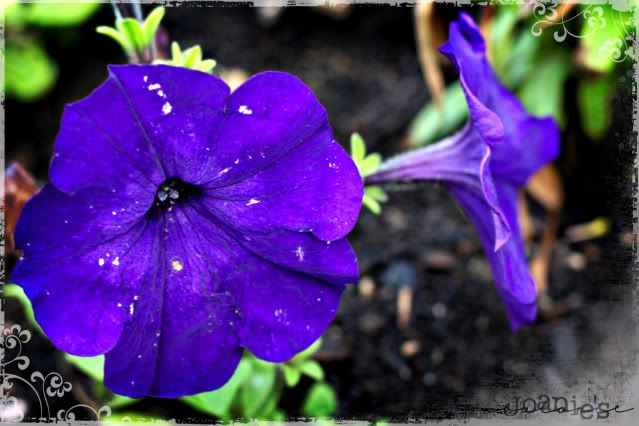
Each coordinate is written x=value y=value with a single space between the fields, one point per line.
x=462 y=353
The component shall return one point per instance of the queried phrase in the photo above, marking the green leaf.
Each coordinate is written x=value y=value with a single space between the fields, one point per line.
x=59 y=14
x=312 y=369
x=152 y=23
x=15 y=291
x=520 y=60
x=605 y=36
x=376 y=193
x=320 y=401
x=255 y=392
x=308 y=352
x=92 y=366
x=543 y=91
x=206 y=65
x=370 y=164
x=192 y=56
x=115 y=35
x=29 y=72
x=371 y=204
x=218 y=402
x=176 y=54
x=594 y=97
x=431 y=124
x=291 y=375
x=501 y=35
x=132 y=31
x=358 y=147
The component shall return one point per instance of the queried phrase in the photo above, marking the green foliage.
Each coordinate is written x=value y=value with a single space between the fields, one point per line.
x=189 y=58
x=543 y=90
x=367 y=165
x=593 y=98
x=218 y=402
x=134 y=36
x=29 y=72
x=433 y=123
x=605 y=34
x=321 y=401
x=47 y=14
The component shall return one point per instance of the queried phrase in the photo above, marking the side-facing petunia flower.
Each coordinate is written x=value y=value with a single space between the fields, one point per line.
x=485 y=163
x=183 y=223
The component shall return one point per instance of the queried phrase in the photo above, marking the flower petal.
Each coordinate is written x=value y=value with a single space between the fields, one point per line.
x=70 y=269
x=315 y=187
x=460 y=161
x=510 y=269
x=181 y=335
x=181 y=111
x=266 y=117
x=528 y=142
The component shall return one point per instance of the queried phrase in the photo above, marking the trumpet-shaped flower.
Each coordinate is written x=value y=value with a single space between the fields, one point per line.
x=485 y=163
x=183 y=224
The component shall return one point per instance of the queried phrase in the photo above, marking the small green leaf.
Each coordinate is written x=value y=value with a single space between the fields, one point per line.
x=206 y=65
x=376 y=193
x=594 y=97
x=92 y=366
x=29 y=72
x=371 y=204
x=370 y=164
x=218 y=402
x=255 y=392
x=152 y=23
x=176 y=54
x=312 y=369
x=58 y=15
x=130 y=417
x=320 y=401
x=430 y=124
x=358 y=147
x=291 y=375
x=115 y=35
x=132 y=31
x=308 y=352
x=192 y=56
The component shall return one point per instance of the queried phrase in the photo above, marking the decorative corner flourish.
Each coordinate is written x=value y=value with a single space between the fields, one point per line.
x=548 y=16
x=44 y=387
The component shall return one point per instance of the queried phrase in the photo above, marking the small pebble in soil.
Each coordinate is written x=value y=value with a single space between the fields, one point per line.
x=410 y=348
x=366 y=287
x=440 y=260
x=439 y=310
x=400 y=274
x=576 y=261
x=429 y=379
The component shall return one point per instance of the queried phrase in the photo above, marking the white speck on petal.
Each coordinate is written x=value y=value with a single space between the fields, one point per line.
x=300 y=253
x=245 y=110
x=131 y=309
x=146 y=78
x=114 y=212
x=116 y=261
x=66 y=221
x=166 y=108
x=119 y=305
x=101 y=262
x=252 y=201
x=136 y=297
x=161 y=94
x=237 y=161
x=224 y=171
x=319 y=299
x=155 y=86
x=333 y=166
x=139 y=356
x=177 y=265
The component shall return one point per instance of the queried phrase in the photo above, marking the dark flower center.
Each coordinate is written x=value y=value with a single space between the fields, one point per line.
x=174 y=191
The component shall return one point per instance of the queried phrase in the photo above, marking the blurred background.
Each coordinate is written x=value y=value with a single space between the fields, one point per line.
x=424 y=333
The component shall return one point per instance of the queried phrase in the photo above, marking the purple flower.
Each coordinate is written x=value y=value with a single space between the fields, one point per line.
x=485 y=163
x=183 y=224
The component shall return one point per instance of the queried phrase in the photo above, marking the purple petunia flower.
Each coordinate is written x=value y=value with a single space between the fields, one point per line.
x=183 y=224
x=485 y=163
